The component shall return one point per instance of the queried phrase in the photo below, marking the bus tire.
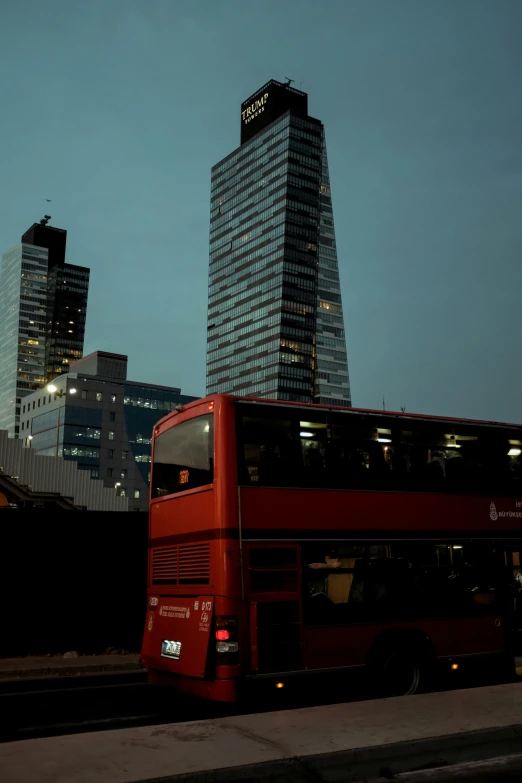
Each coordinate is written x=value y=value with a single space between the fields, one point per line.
x=400 y=669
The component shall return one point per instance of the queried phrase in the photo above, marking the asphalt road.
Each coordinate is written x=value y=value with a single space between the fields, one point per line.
x=53 y=706
x=507 y=769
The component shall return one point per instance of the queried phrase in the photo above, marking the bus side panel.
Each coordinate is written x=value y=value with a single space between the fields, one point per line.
x=299 y=510
x=350 y=645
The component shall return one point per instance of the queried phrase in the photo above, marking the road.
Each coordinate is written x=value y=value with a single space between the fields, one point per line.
x=52 y=706
x=507 y=769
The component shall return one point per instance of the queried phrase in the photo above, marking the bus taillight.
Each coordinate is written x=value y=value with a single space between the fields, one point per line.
x=227 y=645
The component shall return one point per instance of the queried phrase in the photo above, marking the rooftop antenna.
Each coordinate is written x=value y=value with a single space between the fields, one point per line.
x=383 y=403
x=45 y=220
x=288 y=81
x=403 y=408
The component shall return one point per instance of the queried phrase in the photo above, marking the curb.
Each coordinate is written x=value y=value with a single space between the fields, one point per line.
x=383 y=761
x=67 y=671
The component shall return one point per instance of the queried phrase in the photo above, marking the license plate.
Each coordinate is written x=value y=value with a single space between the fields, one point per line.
x=170 y=649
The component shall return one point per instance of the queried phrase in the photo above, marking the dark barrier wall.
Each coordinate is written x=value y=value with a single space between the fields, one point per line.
x=71 y=581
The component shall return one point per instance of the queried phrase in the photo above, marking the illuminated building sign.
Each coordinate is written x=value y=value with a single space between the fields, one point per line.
x=269 y=103
x=254 y=110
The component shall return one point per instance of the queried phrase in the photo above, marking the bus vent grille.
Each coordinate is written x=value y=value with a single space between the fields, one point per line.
x=165 y=565
x=194 y=564
x=187 y=564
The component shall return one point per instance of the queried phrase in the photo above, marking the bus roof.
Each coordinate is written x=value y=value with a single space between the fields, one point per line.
x=369 y=411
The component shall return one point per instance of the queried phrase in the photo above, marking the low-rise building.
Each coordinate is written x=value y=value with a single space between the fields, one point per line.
x=31 y=481
x=104 y=422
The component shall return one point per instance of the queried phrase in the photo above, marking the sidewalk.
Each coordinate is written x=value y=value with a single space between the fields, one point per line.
x=43 y=666
x=345 y=742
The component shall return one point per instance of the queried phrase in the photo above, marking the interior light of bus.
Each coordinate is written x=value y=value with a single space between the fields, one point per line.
x=280 y=685
x=454 y=666
x=306 y=434
x=222 y=635
x=384 y=440
x=457 y=546
x=514 y=452
x=206 y=428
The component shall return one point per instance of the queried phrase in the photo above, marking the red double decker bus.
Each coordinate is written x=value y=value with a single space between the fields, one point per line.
x=289 y=539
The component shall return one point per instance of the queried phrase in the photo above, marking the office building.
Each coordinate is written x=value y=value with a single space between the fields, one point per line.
x=43 y=303
x=104 y=422
x=67 y=294
x=23 y=328
x=275 y=318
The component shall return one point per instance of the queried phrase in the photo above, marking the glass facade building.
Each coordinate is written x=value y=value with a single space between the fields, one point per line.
x=43 y=305
x=23 y=326
x=68 y=289
x=67 y=292
x=275 y=319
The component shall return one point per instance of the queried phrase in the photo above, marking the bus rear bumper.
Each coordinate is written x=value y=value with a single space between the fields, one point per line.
x=216 y=690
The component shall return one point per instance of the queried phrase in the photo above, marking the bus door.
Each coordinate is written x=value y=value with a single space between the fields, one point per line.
x=273 y=588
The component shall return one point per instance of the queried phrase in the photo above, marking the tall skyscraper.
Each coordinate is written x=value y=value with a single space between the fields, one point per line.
x=43 y=302
x=67 y=293
x=275 y=319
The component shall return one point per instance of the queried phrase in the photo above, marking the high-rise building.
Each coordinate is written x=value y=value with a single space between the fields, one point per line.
x=67 y=293
x=23 y=327
x=275 y=319
x=43 y=302
x=68 y=289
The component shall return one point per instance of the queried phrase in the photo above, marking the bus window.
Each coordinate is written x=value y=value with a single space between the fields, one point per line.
x=344 y=450
x=268 y=455
x=350 y=584
x=183 y=457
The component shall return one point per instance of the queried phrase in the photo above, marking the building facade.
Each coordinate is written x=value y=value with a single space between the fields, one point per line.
x=96 y=417
x=275 y=318
x=67 y=295
x=68 y=289
x=23 y=329
x=43 y=482
x=43 y=305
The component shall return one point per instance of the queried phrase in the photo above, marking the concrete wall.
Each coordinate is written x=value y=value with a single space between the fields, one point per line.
x=53 y=474
x=71 y=581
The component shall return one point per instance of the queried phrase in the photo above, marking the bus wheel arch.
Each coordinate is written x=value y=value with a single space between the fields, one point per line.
x=401 y=662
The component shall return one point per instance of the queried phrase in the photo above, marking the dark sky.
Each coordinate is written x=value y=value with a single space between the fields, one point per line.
x=117 y=109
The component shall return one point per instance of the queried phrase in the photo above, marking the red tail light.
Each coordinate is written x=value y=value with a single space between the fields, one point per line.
x=227 y=645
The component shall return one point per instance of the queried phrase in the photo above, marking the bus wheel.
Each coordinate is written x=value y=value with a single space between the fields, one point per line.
x=400 y=672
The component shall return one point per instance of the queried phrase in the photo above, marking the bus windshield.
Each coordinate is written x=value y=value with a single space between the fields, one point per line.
x=184 y=457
